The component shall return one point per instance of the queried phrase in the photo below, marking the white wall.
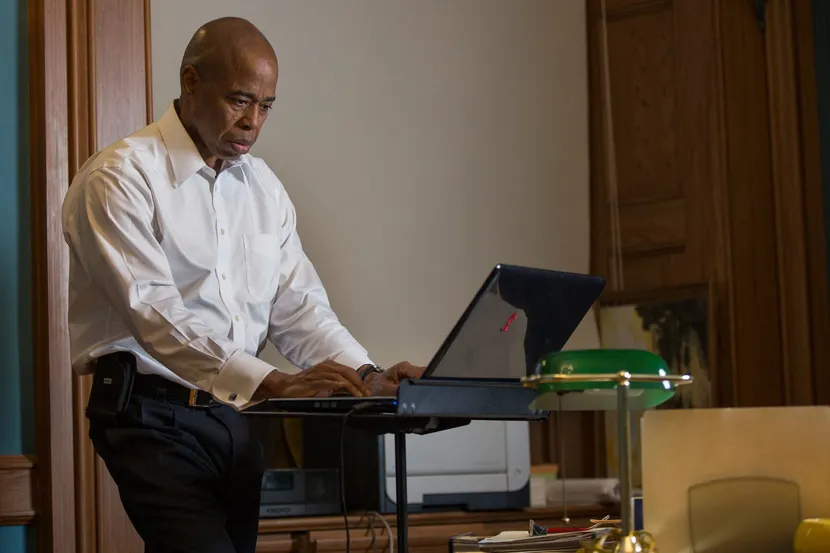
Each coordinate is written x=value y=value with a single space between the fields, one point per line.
x=422 y=142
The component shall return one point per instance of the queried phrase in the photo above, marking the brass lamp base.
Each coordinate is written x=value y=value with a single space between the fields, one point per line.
x=635 y=542
x=593 y=379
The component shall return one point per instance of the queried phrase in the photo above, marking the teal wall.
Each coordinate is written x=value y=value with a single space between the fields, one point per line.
x=16 y=397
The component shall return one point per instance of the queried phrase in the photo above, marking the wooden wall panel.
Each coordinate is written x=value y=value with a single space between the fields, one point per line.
x=48 y=179
x=789 y=195
x=109 y=99
x=120 y=105
x=120 y=68
x=644 y=83
x=17 y=481
x=778 y=272
x=750 y=212
x=814 y=200
x=654 y=94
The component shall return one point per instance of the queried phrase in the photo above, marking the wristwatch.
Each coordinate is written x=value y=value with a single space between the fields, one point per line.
x=366 y=370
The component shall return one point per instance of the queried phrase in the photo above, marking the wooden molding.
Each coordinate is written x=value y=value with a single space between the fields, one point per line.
x=745 y=212
x=49 y=155
x=110 y=96
x=148 y=62
x=804 y=37
x=81 y=144
x=17 y=489
x=788 y=193
x=720 y=236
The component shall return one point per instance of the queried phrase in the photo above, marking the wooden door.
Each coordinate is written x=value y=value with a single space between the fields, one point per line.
x=705 y=171
x=652 y=109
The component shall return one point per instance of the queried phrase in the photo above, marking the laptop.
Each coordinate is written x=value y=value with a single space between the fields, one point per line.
x=517 y=317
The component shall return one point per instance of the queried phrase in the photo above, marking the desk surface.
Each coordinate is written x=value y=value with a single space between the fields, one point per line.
x=441 y=518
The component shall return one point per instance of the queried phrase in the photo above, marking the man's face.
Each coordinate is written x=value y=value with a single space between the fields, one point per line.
x=231 y=103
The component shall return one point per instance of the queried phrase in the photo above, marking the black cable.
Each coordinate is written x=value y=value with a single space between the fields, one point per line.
x=343 y=477
x=356 y=409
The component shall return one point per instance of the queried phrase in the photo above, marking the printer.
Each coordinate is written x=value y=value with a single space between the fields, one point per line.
x=482 y=466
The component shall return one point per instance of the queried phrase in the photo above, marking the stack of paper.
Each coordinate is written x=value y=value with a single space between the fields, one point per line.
x=562 y=542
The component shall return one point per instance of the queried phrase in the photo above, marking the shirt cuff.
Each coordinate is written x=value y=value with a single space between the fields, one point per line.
x=239 y=379
x=353 y=359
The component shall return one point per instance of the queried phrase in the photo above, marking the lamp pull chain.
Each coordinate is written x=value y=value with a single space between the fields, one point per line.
x=561 y=461
x=617 y=273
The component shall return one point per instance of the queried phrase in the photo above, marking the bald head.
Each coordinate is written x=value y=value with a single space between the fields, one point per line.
x=228 y=81
x=217 y=44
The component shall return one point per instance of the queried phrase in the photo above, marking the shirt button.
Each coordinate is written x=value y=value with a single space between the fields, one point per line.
x=221 y=231
x=232 y=397
x=224 y=276
x=236 y=318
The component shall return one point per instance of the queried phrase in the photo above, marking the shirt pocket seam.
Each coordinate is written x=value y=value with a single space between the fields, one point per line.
x=263 y=243
x=267 y=246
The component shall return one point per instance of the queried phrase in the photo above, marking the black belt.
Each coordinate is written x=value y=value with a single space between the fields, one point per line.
x=157 y=387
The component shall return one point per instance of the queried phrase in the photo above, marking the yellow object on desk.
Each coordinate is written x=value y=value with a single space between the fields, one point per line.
x=813 y=536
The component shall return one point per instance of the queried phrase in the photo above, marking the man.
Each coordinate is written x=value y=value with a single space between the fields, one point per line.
x=184 y=260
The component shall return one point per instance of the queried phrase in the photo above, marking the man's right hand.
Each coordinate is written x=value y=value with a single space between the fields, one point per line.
x=323 y=379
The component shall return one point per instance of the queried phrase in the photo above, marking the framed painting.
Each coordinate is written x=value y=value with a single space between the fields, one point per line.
x=678 y=325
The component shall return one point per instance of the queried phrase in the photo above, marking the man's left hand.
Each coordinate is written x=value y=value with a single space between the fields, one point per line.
x=386 y=383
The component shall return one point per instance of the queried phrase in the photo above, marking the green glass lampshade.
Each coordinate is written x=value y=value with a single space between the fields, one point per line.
x=586 y=380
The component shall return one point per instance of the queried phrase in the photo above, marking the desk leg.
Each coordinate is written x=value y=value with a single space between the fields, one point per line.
x=400 y=492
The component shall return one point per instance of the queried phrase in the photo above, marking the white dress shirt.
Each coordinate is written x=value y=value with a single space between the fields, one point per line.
x=190 y=270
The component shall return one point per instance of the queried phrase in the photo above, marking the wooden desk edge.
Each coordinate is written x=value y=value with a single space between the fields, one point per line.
x=290 y=525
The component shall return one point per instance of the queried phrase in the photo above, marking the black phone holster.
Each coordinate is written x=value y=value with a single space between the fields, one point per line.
x=112 y=385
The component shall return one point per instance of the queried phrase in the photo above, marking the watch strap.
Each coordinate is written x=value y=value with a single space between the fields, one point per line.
x=366 y=370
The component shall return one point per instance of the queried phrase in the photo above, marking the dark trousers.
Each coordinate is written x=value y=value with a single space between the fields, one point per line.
x=189 y=477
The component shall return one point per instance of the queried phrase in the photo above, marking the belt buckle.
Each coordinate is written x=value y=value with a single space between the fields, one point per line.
x=192 y=398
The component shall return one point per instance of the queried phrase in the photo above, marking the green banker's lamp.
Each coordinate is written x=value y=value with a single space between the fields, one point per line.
x=607 y=380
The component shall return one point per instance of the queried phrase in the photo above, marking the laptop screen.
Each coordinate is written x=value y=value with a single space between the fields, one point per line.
x=519 y=315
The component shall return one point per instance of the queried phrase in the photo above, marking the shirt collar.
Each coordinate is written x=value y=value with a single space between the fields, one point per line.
x=185 y=158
